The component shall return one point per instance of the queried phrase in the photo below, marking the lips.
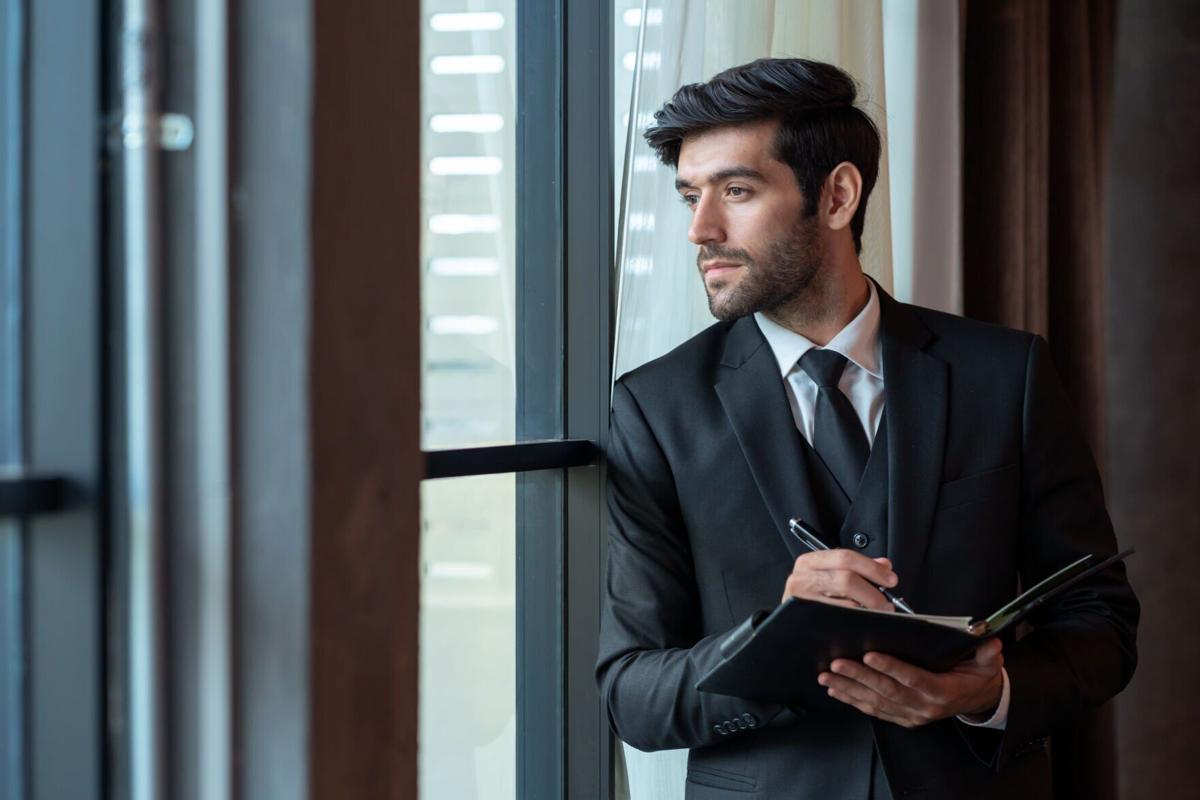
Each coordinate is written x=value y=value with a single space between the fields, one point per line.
x=719 y=267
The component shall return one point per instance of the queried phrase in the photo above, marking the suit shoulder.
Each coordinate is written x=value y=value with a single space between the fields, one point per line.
x=973 y=338
x=690 y=363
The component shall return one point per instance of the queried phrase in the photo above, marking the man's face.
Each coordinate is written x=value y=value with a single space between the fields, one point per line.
x=757 y=248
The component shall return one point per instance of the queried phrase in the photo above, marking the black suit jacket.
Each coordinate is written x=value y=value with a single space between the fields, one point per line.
x=991 y=485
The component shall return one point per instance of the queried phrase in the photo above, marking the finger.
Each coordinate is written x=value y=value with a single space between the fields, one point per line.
x=902 y=672
x=814 y=586
x=844 y=583
x=869 y=703
x=843 y=559
x=855 y=690
x=988 y=652
x=795 y=590
x=838 y=587
x=878 y=682
x=839 y=601
x=886 y=698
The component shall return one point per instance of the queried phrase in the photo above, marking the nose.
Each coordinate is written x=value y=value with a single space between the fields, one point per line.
x=707 y=226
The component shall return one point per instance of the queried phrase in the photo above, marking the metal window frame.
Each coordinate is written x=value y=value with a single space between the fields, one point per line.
x=32 y=494
x=497 y=459
x=564 y=365
x=588 y=182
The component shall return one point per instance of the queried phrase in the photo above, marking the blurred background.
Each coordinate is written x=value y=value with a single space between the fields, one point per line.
x=309 y=317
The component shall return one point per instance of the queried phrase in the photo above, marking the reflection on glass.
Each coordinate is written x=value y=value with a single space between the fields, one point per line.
x=468 y=155
x=625 y=43
x=467 y=738
x=466 y=744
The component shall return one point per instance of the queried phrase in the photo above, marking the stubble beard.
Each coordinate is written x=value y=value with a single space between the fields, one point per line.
x=783 y=277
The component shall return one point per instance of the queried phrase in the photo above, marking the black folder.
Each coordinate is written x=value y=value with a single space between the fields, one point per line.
x=777 y=655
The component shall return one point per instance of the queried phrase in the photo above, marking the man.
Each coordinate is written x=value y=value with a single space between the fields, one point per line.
x=939 y=456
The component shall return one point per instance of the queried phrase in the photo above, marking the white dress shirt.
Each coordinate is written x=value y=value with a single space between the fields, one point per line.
x=862 y=383
x=862 y=380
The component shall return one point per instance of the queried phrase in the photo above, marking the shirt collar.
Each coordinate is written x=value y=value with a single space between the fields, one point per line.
x=858 y=341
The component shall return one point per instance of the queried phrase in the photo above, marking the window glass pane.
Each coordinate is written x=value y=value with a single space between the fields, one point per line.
x=468 y=222
x=626 y=24
x=467 y=739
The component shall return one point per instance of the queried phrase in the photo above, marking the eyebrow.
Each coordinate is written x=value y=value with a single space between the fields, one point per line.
x=722 y=175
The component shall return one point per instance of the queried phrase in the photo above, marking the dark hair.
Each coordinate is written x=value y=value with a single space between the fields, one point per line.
x=819 y=127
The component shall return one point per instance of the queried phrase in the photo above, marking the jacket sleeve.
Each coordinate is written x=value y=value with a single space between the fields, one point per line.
x=1082 y=649
x=651 y=649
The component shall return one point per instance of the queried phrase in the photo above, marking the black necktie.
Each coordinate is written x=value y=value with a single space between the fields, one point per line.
x=838 y=436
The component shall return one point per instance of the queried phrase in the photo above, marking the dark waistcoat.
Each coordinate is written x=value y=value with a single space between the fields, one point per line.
x=860 y=521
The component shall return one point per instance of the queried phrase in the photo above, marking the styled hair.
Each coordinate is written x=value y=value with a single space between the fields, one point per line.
x=819 y=126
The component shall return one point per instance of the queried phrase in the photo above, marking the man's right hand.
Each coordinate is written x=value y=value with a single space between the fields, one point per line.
x=841 y=577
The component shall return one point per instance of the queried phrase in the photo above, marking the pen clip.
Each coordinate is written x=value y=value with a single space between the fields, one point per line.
x=807 y=536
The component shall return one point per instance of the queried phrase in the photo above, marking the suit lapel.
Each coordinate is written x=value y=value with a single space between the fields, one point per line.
x=916 y=387
x=755 y=400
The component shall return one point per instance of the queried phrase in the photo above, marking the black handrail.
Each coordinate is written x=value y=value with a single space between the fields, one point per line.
x=31 y=494
x=521 y=457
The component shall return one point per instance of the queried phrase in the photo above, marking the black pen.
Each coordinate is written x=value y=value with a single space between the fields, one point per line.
x=809 y=537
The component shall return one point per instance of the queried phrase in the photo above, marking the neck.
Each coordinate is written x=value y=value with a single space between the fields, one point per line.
x=831 y=302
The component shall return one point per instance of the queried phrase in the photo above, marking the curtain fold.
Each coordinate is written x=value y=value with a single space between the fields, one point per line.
x=1037 y=86
x=922 y=72
x=1036 y=91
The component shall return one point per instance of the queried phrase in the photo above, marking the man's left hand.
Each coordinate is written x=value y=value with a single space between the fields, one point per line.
x=895 y=691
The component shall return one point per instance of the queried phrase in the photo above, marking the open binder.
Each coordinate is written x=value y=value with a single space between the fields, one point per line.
x=777 y=655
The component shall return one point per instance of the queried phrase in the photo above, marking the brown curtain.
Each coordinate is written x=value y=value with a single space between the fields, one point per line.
x=1037 y=85
x=1153 y=384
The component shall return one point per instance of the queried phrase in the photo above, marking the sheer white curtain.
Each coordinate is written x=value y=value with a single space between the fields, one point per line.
x=661 y=300
x=921 y=64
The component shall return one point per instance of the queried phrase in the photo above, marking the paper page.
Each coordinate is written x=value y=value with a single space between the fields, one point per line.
x=960 y=623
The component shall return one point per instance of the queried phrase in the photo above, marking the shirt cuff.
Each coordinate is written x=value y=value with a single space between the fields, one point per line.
x=1000 y=717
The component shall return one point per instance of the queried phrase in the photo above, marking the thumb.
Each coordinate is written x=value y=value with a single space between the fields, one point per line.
x=988 y=652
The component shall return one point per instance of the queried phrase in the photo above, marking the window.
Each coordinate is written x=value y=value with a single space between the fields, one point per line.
x=468 y=96
x=51 y=482
x=516 y=374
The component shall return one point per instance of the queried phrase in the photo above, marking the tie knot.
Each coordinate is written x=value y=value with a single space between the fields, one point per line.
x=823 y=366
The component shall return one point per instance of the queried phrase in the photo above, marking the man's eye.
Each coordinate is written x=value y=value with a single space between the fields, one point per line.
x=689 y=200
x=737 y=191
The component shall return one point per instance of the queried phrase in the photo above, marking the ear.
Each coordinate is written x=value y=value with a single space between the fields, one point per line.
x=840 y=196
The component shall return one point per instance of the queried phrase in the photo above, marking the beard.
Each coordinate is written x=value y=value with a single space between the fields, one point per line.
x=781 y=276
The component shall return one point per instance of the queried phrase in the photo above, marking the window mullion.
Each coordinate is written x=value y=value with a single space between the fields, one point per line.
x=540 y=400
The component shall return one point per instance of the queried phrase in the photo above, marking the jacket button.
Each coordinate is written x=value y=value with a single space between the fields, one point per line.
x=861 y=540
x=720 y=728
x=749 y=719
x=741 y=723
